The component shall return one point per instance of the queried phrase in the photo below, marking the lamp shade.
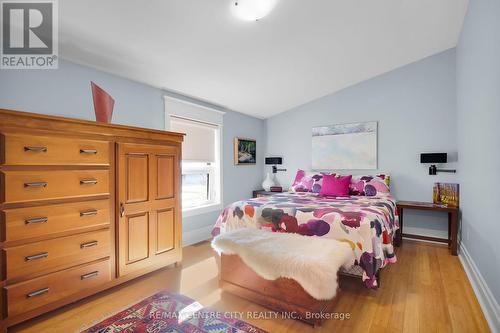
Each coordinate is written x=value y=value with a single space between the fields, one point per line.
x=274 y=160
x=433 y=158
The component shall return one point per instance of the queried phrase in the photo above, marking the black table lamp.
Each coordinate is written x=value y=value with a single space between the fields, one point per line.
x=435 y=158
x=275 y=161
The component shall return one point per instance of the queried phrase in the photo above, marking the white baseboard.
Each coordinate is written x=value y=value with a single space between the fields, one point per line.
x=198 y=235
x=489 y=305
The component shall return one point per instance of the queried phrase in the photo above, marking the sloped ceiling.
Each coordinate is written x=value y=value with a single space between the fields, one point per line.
x=301 y=51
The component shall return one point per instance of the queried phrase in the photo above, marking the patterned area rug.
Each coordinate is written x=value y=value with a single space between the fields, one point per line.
x=167 y=312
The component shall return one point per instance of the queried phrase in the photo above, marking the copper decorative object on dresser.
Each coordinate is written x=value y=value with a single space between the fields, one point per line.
x=84 y=207
x=103 y=104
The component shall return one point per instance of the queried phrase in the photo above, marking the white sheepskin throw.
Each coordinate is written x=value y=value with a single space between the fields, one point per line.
x=311 y=261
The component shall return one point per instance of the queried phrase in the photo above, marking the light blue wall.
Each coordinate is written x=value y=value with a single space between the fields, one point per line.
x=66 y=92
x=415 y=107
x=478 y=96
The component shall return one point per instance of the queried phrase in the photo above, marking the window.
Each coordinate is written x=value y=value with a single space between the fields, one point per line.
x=198 y=184
x=201 y=158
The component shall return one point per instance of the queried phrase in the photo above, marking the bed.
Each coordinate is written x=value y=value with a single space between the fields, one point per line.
x=368 y=223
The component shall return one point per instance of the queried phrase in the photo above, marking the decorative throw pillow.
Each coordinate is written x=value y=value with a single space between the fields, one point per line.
x=336 y=186
x=298 y=176
x=308 y=182
x=370 y=185
x=318 y=181
x=302 y=183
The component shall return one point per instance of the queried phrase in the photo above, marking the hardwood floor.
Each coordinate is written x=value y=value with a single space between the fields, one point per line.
x=427 y=290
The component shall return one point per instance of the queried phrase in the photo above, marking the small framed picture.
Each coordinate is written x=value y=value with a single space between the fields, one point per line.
x=245 y=151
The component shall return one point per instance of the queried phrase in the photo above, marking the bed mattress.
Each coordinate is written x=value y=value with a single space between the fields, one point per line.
x=367 y=223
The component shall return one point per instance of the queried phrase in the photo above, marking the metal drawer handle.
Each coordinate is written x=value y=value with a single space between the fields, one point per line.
x=89 y=275
x=36 y=220
x=88 y=182
x=89 y=213
x=37 y=256
x=89 y=244
x=36 y=184
x=38 y=292
x=88 y=151
x=36 y=149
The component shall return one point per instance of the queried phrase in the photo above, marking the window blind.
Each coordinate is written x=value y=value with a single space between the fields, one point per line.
x=199 y=142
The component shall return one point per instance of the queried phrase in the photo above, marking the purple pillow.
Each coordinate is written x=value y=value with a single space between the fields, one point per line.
x=307 y=182
x=335 y=186
x=370 y=185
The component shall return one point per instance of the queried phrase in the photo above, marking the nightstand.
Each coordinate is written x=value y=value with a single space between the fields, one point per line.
x=452 y=223
x=263 y=193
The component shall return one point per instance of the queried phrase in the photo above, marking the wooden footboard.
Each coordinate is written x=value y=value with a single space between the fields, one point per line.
x=282 y=295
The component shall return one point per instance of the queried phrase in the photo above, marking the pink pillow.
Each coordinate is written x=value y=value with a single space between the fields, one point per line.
x=298 y=177
x=335 y=186
x=302 y=182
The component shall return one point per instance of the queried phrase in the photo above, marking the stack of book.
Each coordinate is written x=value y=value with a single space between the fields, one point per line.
x=446 y=194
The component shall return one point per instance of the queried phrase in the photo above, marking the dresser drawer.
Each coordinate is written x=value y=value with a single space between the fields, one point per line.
x=55 y=254
x=25 y=296
x=25 y=149
x=32 y=222
x=25 y=186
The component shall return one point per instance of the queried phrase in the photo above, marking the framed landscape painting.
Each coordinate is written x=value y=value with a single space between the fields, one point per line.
x=345 y=146
x=245 y=151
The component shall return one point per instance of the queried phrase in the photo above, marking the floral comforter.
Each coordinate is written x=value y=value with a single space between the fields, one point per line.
x=367 y=224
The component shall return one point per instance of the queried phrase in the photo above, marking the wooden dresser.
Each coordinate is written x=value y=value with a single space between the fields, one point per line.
x=84 y=206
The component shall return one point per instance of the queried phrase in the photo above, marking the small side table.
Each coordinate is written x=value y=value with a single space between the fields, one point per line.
x=263 y=193
x=452 y=223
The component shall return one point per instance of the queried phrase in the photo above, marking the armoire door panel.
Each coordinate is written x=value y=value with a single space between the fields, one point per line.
x=165 y=176
x=165 y=230
x=137 y=237
x=148 y=195
x=137 y=169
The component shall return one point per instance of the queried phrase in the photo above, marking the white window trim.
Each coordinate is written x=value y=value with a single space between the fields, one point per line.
x=198 y=112
x=188 y=212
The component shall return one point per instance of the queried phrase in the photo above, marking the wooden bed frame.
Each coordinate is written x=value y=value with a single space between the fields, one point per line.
x=282 y=295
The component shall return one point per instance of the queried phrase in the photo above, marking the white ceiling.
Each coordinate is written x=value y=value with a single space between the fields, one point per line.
x=302 y=50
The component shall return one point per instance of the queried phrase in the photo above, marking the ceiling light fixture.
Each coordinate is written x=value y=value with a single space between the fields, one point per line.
x=252 y=10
